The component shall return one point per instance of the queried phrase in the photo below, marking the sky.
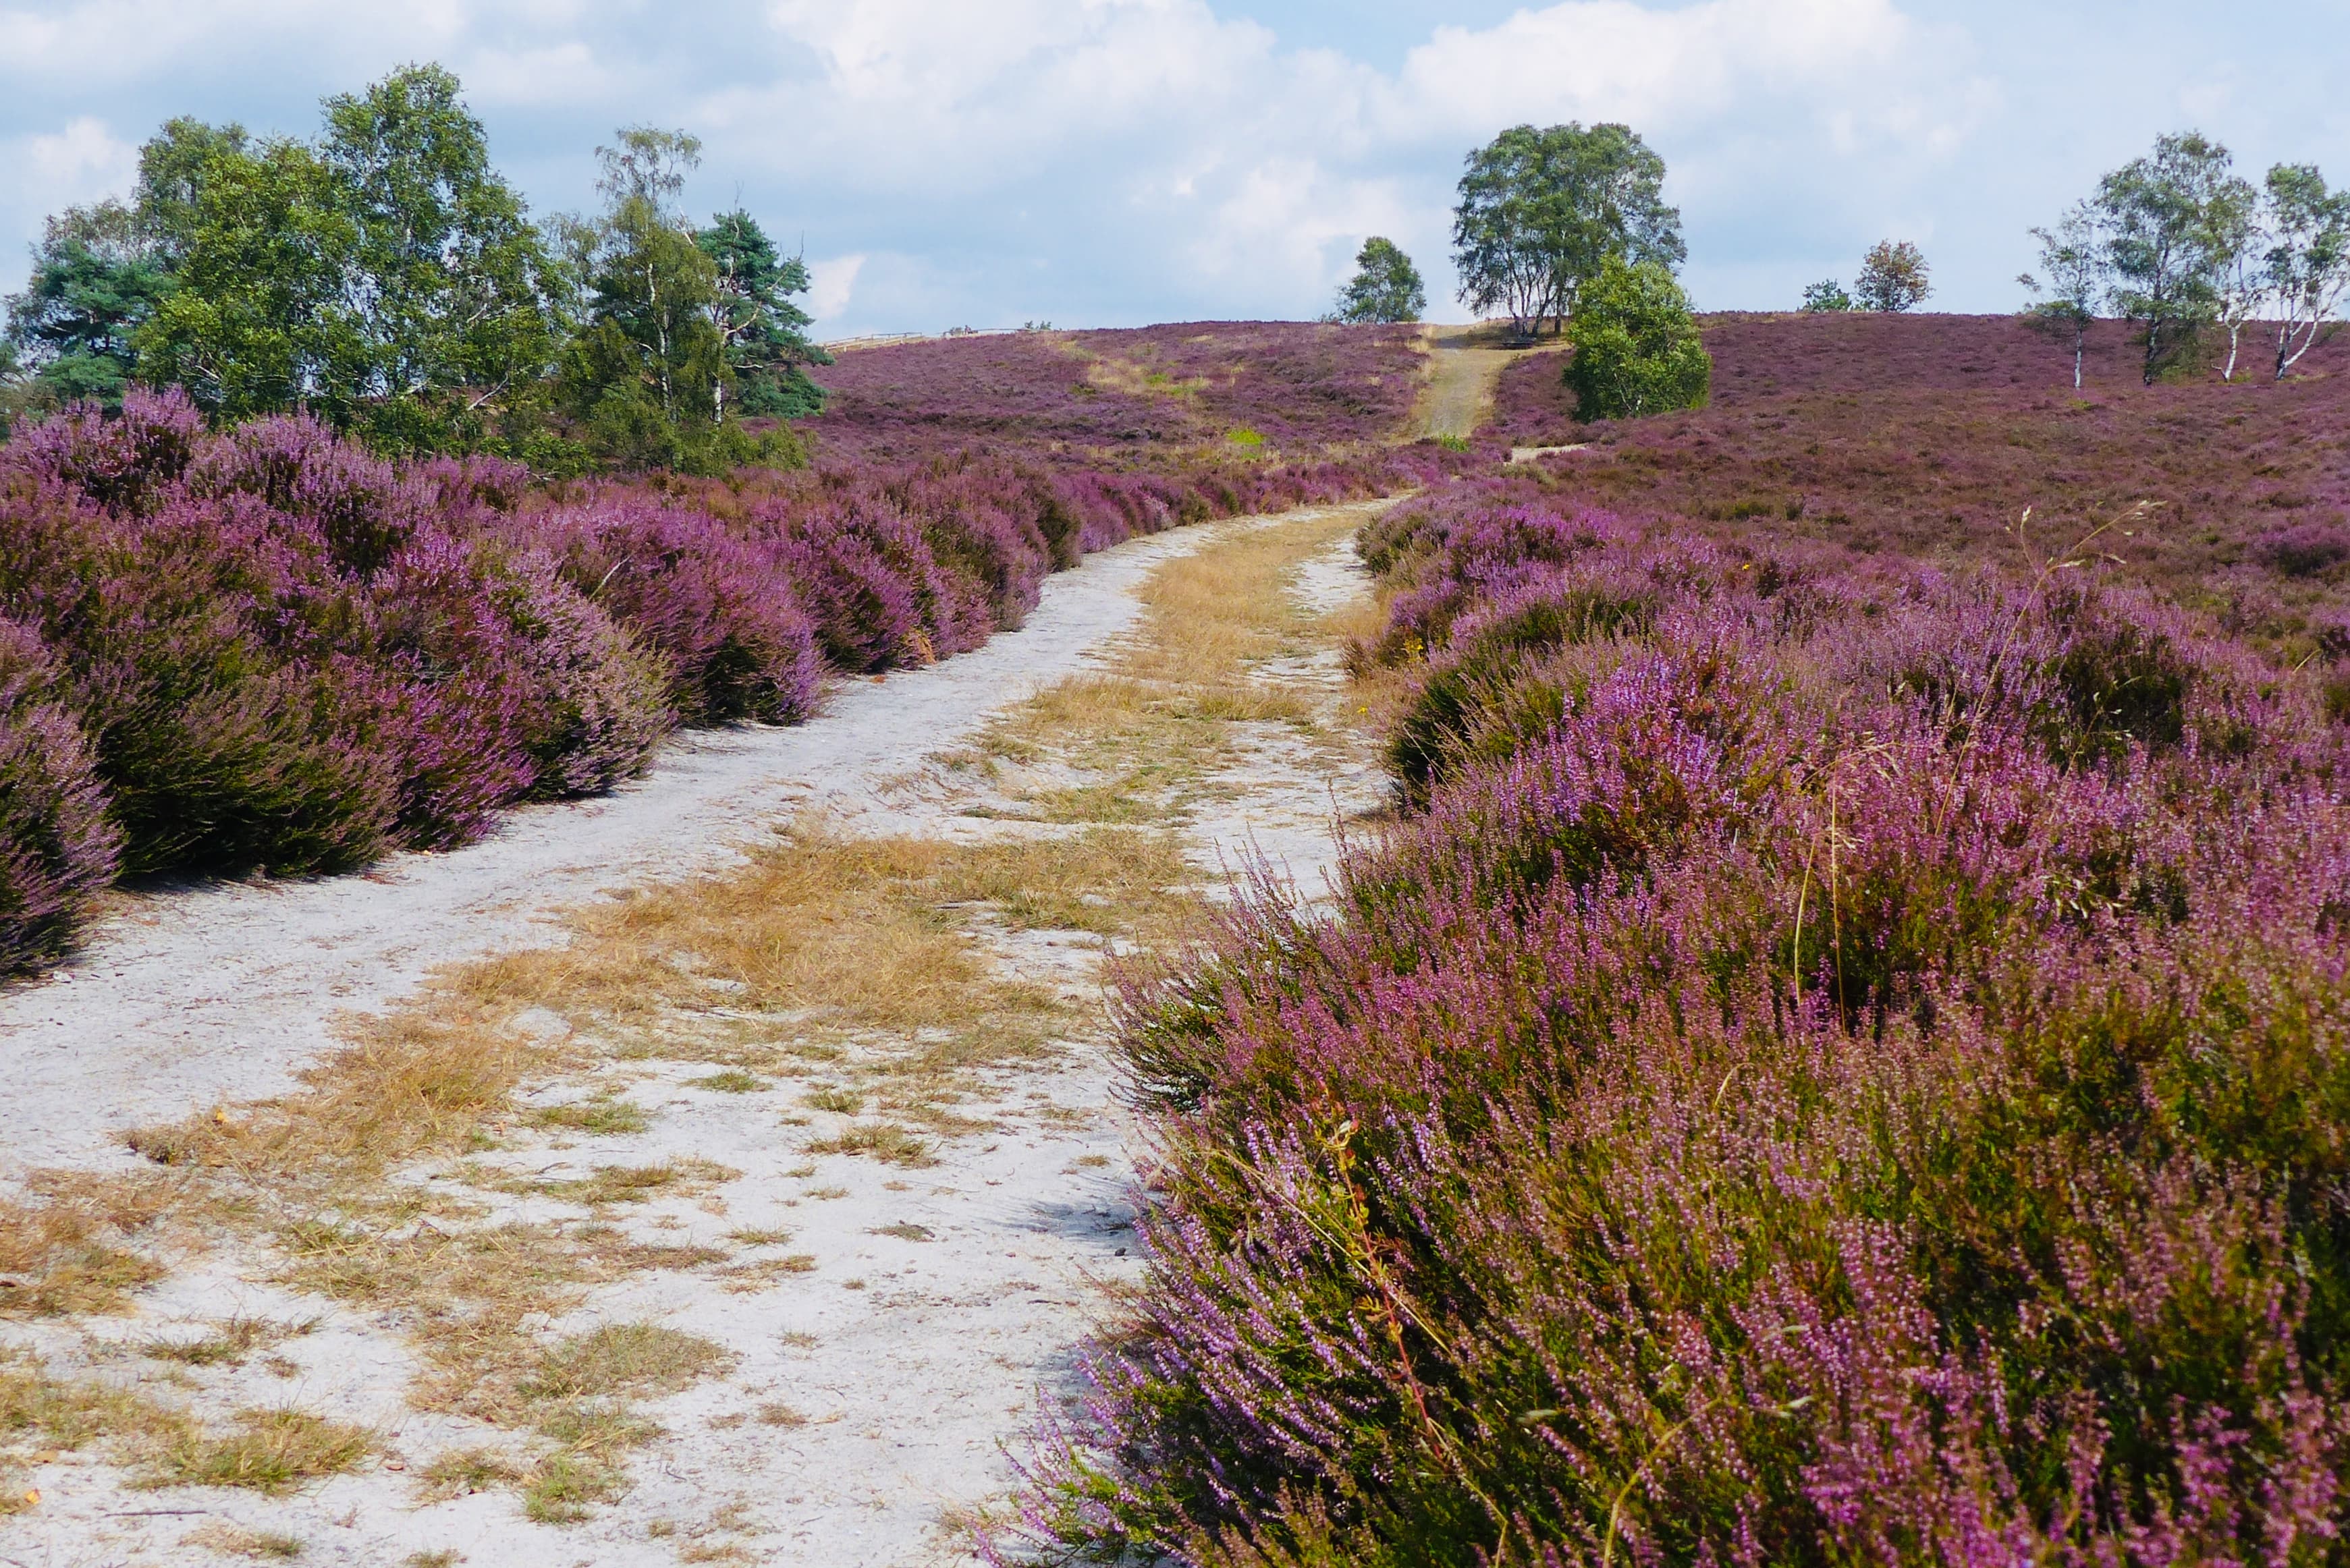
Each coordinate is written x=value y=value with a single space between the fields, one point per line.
x=1113 y=162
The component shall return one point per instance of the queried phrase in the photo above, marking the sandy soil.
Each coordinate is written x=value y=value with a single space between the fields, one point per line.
x=876 y=1384
x=1464 y=365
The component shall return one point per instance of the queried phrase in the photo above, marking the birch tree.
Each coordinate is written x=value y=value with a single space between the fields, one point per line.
x=2073 y=261
x=1541 y=211
x=2308 y=262
x=2166 y=216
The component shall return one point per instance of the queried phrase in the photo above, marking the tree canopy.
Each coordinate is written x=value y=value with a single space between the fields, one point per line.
x=1636 y=345
x=1893 y=277
x=1386 y=285
x=761 y=330
x=2177 y=244
x=385 y=276
x=1541 y=211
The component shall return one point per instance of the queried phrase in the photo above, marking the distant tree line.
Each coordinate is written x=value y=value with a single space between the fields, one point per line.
x=2192 y=254
x=385 y=276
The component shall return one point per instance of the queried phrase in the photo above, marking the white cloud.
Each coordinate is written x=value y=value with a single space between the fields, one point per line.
x=79 y=161
x=831 y=282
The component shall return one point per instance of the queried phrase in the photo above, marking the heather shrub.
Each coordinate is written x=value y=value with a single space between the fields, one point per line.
x=198 y=647
x=1860 y=1083
x=722 y=612
x=119 y=460
x=2304 y=549
x=364 y=507
x=57 y=847
x=508 y=684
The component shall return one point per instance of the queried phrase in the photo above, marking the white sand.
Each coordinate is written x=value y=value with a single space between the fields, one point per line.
x=916 y=1360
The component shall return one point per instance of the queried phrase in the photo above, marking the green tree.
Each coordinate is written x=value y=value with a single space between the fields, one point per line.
x=1386 y=285
x=387 y=277
x=1540 y=211
x=2073 y=262
x=2170 y=220
x=172 y=168
x=1635 y=344
x=264 y=314
x=1827 y=294
x=761 y=328
x=1892 y=277
x=647 y=376
x=97 y=278
x=2307 y=267
x=448 y=286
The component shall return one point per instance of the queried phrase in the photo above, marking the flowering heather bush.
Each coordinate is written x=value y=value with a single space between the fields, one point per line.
x=364 y=507
x=114 y=462
x=57 y=848
x=723 y=615
x=1144 y=395
x=283 y=664
x=1846 y=1063
x=1926 y=436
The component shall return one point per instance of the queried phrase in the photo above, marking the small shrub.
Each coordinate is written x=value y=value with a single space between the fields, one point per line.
x=1636 y=347
x=2305 y=549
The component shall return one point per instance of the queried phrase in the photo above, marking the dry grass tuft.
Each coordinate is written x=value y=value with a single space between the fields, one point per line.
x=884 y=1141
x=681 y=1177
x=625 y=1358
x=734 y=1081
x=601 y=1117
x=270 y=1450
x=760 y=1273
x=67 y=1250
x=235 y=1540
x=464 y=1471
x=228 y=1344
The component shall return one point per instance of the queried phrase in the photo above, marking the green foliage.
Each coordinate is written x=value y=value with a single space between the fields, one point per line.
x=2171 y=219
x=386 y=278
x=1826 y=294
x=96 y=278
x=172 y=171
x=450 y=310
x=1636 y=345
x=262 y=318
x=1892 y=277
x=759 y=326
x=1386 y=285
x=1540 y=211
x=647 y=375
x=2307 y=267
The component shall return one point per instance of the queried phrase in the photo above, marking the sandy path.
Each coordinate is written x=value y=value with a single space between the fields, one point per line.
x=933 y=1311
x=1460 y=391
x=190 y=997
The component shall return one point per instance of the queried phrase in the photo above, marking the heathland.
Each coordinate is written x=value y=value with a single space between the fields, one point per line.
x=1828 y=1046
